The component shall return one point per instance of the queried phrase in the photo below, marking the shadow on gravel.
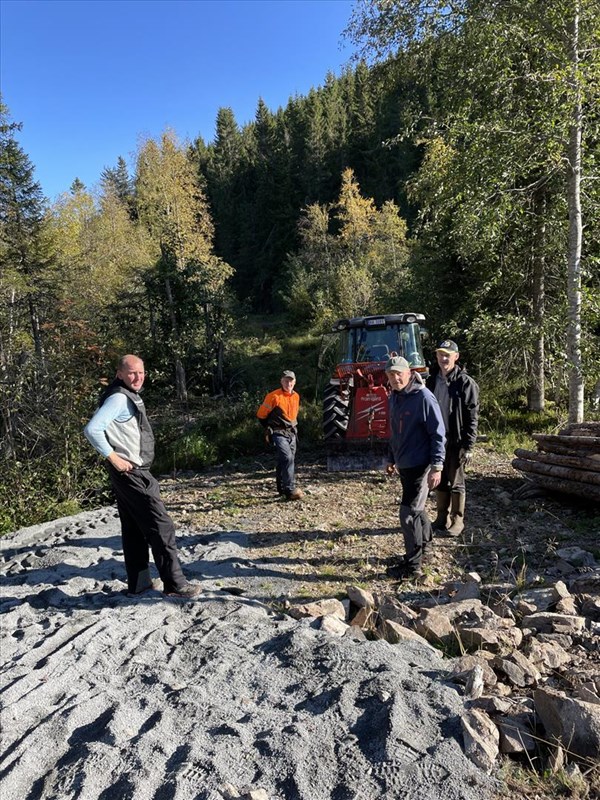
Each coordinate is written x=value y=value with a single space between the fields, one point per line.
x=276 y=538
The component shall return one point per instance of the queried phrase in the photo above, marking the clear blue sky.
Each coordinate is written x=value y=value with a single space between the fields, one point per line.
x=89 y=78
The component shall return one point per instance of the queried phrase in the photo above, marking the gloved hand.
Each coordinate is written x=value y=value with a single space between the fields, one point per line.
x=464 y=457
x=268 y=437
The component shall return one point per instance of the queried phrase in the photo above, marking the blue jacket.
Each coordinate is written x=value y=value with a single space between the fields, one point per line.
x=418 y=433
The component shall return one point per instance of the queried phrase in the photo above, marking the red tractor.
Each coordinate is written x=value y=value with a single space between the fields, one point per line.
x=355 y=418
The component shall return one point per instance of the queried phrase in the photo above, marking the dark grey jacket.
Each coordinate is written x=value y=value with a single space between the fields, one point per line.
x=463 y=417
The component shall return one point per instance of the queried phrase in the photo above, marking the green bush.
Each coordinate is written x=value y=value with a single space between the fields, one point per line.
x=42 y=489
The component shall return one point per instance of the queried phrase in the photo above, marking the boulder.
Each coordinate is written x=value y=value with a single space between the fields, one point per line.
x=518 y=669
x=566 y=605
x=360 y=597
x=547 y=656
x=549 y=622
x=574 y=723
x=356 y=633
x=333 y=625
x=467 y=589
x=492 y=704
x=587 y=693
x=319 y=608
x=586 y=583
x=364 y=618
x=463 y=665
x=438 y=624
x=576 y=557
x=590 y=607
x=562 y=639
x=560 y=589
x=536 y=600
x=474 y=682
x=392 y=609
x=255 y=794
x=481 y=738
x=515 y=734
x=499 y=641
x=229 y=792
x=394 y=633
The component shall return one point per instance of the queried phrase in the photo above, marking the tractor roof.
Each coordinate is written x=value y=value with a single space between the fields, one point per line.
x=378 y=321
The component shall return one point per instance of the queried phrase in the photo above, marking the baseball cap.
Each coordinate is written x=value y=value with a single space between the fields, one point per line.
x=397 y=364
x=447 y=346
x=287 y=373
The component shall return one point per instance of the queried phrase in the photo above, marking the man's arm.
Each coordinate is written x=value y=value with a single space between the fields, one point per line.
x=436 y=430
x=470 y=414
x=434 y=424
x=265 y=409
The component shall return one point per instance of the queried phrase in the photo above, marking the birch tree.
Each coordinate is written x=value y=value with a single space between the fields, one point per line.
x=513 y=94
x=173 y=207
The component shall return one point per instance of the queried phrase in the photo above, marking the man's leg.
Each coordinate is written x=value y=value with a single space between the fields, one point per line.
x=456 y=479
x=415 y=524
x=285 y=449
x=140 y=492
x=135 y=546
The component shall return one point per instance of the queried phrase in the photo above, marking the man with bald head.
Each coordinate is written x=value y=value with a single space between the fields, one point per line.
x=121 y=433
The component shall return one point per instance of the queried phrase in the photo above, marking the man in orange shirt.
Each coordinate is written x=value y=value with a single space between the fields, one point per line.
x=278 y=414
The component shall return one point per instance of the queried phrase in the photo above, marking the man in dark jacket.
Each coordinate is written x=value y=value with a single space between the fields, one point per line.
x=121 y=433
x=417 y=454
x=458 y=396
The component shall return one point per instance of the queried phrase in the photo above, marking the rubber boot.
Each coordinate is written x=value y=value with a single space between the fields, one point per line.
x=457 y=512
x=443 y=504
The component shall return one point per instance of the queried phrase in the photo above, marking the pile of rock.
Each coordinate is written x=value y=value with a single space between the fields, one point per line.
x=526 y=660
x=566 y=462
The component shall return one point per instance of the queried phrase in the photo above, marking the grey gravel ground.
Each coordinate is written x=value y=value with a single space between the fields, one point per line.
x=107 y=697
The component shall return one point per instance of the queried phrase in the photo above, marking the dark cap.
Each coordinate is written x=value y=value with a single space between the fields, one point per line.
x=447 y=346
x=397 y=364
x=287 y=373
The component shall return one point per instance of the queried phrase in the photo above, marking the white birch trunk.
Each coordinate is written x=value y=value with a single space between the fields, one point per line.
x=576 y=382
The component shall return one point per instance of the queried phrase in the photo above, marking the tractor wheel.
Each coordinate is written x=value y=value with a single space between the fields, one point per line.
x=336 y=412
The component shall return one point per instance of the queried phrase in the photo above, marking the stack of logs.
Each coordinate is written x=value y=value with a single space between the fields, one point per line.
x=568 y=462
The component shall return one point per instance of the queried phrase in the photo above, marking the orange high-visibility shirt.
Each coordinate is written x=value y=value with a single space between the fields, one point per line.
x=283 y=404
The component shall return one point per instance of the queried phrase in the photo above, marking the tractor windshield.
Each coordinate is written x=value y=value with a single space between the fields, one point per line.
x=359 y=345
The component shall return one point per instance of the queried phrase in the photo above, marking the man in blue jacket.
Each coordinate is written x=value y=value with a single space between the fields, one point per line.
x=121 y=433
x=417 y=453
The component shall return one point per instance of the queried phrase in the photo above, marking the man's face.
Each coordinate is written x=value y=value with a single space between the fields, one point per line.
x=446 y=361
x=132 y=374
x=287 y=384
x=398 y=380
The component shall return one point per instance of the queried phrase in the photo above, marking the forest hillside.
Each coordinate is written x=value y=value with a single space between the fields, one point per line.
x=423 y=178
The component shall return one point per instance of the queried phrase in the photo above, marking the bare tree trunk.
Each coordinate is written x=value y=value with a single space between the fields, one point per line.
x=537 y=390
x=37 y=335
x=576 y=383
x=8 y=440
x=180 y=379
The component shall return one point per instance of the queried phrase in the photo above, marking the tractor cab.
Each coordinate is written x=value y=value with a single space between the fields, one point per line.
x=355 y=407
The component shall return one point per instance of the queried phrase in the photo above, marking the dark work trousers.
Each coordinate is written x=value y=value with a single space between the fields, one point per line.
x=145 y=523
x=285 y=450
x=415 y=524
x=453 y=474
